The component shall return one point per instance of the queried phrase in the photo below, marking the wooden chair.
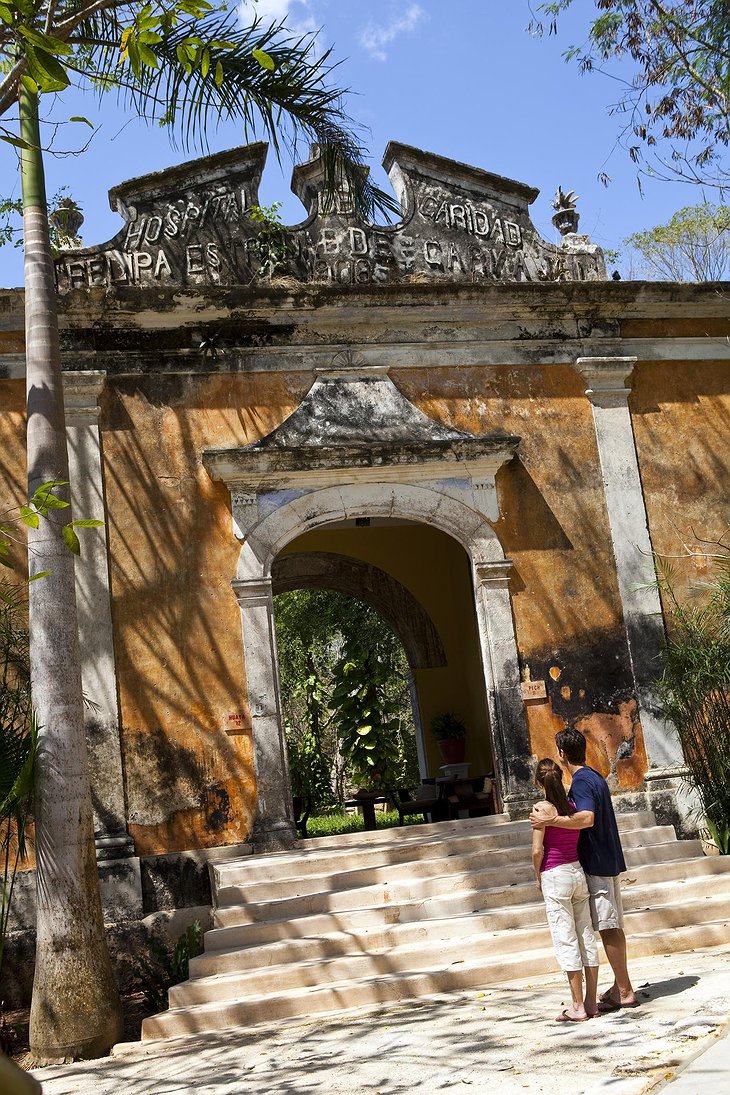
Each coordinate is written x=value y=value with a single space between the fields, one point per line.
x=422 y=801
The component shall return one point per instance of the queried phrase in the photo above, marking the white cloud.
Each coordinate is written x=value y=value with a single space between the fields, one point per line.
x=299 y=16
x=375 y=38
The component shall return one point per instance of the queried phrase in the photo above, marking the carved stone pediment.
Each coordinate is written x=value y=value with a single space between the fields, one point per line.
x=357 y=421
x=191 y=225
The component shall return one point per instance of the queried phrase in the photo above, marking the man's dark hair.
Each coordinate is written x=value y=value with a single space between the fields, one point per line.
x=572 y=745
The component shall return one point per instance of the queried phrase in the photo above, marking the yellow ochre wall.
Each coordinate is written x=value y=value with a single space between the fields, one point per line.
x=176 y=623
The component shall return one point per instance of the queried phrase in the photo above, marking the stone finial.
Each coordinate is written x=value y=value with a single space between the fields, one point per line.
x=566 y=216
x=67 y=219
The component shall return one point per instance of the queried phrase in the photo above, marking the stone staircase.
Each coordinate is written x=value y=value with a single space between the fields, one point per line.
x=369 y=918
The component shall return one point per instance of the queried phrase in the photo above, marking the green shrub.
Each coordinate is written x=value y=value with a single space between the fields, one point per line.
x=694 y=689
x=162 y=967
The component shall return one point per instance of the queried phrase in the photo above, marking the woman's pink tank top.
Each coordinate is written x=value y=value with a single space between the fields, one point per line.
x=560 y=846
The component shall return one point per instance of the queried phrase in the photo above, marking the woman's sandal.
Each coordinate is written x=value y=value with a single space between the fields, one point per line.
x=565 y=1018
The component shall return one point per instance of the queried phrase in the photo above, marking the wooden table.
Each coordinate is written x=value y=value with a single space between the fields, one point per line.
x=366 y=801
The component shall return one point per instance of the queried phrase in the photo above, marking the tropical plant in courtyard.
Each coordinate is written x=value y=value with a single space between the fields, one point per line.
x=315 y=630
x=183 y=63
x=695 y=688
x=367 y=718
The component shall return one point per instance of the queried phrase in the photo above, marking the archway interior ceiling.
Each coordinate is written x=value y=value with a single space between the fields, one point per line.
x=361 y=447
x=191 y=225
x=365 y=582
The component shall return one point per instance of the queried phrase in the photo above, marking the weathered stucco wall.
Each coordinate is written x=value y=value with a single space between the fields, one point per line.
x=483 y=359
x=12 y=456
x=681 y=416
x=554 y=527
x=177 y=629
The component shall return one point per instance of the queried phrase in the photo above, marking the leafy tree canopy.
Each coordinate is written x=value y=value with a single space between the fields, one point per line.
x=693 y=246
x=679 y=95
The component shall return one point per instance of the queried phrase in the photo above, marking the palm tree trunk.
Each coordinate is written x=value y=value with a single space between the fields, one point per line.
x=76 y=1010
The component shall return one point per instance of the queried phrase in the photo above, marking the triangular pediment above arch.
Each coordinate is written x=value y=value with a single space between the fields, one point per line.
x=355 y=420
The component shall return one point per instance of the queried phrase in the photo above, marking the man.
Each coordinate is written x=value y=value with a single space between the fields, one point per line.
x=602 y=859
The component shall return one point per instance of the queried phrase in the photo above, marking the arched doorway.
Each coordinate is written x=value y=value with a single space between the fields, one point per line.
x=322 y=560
x=357 y=451
x=419 y=580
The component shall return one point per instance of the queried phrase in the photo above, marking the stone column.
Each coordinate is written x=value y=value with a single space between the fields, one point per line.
x=609 y=390
x=513 y=759
x=274 y=825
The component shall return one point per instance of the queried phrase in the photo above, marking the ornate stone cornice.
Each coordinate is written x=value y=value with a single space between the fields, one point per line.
x=253 y=592
x=494 y=572
x=355 y=424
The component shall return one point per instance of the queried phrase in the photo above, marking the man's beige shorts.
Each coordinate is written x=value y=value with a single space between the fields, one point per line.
x=606 y=908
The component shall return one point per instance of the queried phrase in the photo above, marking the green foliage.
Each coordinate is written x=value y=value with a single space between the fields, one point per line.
x=367 y=717
x=43 y=500
x=679 y=94
x=314 y=630
x=695 y=688
x=162 y=967
x=693 y=246
x=18 y=745
x=184 y=64
x=335 y=824
x=271 y=246
x=447 y=727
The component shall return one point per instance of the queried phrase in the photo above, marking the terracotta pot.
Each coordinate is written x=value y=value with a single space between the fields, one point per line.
x=453 y=750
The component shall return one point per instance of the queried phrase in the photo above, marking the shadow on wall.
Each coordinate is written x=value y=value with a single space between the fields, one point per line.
x=190 y=783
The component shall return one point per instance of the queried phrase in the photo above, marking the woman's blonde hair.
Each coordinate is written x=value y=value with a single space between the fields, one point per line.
x=549 y=777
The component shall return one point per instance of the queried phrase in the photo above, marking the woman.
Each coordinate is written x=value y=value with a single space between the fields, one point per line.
x=562 y=882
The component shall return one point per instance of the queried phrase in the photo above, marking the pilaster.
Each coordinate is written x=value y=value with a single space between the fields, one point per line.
x=274 y=825
x=513 y=761
x=81 y=397
x=608 y=389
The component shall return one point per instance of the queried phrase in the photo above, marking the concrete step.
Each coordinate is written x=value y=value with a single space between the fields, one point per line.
x=340 y=923
x=518 y=838
x=507 y=902
x=439 y=830
x=505 y=924
x=404 y=882
x=379 y=989
x=334 y=997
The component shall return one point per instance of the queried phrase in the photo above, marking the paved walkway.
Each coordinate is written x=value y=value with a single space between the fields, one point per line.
x=503 y=1040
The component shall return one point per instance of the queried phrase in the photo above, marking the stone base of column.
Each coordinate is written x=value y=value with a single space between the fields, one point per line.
x=272 y=835
x=673 y=800
x=519 y=805
x=120 y=885
x=667 y=795
x=119 y=846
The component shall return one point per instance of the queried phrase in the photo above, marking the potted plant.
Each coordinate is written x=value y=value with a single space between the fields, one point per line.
x=450 y=733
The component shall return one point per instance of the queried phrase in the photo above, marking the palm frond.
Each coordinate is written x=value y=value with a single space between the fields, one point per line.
x=297 y=100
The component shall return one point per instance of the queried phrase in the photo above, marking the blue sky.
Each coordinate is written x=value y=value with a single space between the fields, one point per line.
x=463 y=79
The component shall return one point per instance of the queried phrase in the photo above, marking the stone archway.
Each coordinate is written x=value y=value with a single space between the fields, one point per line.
x=365 y=582
x=357 y=448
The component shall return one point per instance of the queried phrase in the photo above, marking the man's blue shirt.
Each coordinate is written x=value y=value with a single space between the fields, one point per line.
x=599 y=848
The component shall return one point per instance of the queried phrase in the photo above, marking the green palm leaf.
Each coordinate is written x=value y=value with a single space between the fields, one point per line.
x=292 y=101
